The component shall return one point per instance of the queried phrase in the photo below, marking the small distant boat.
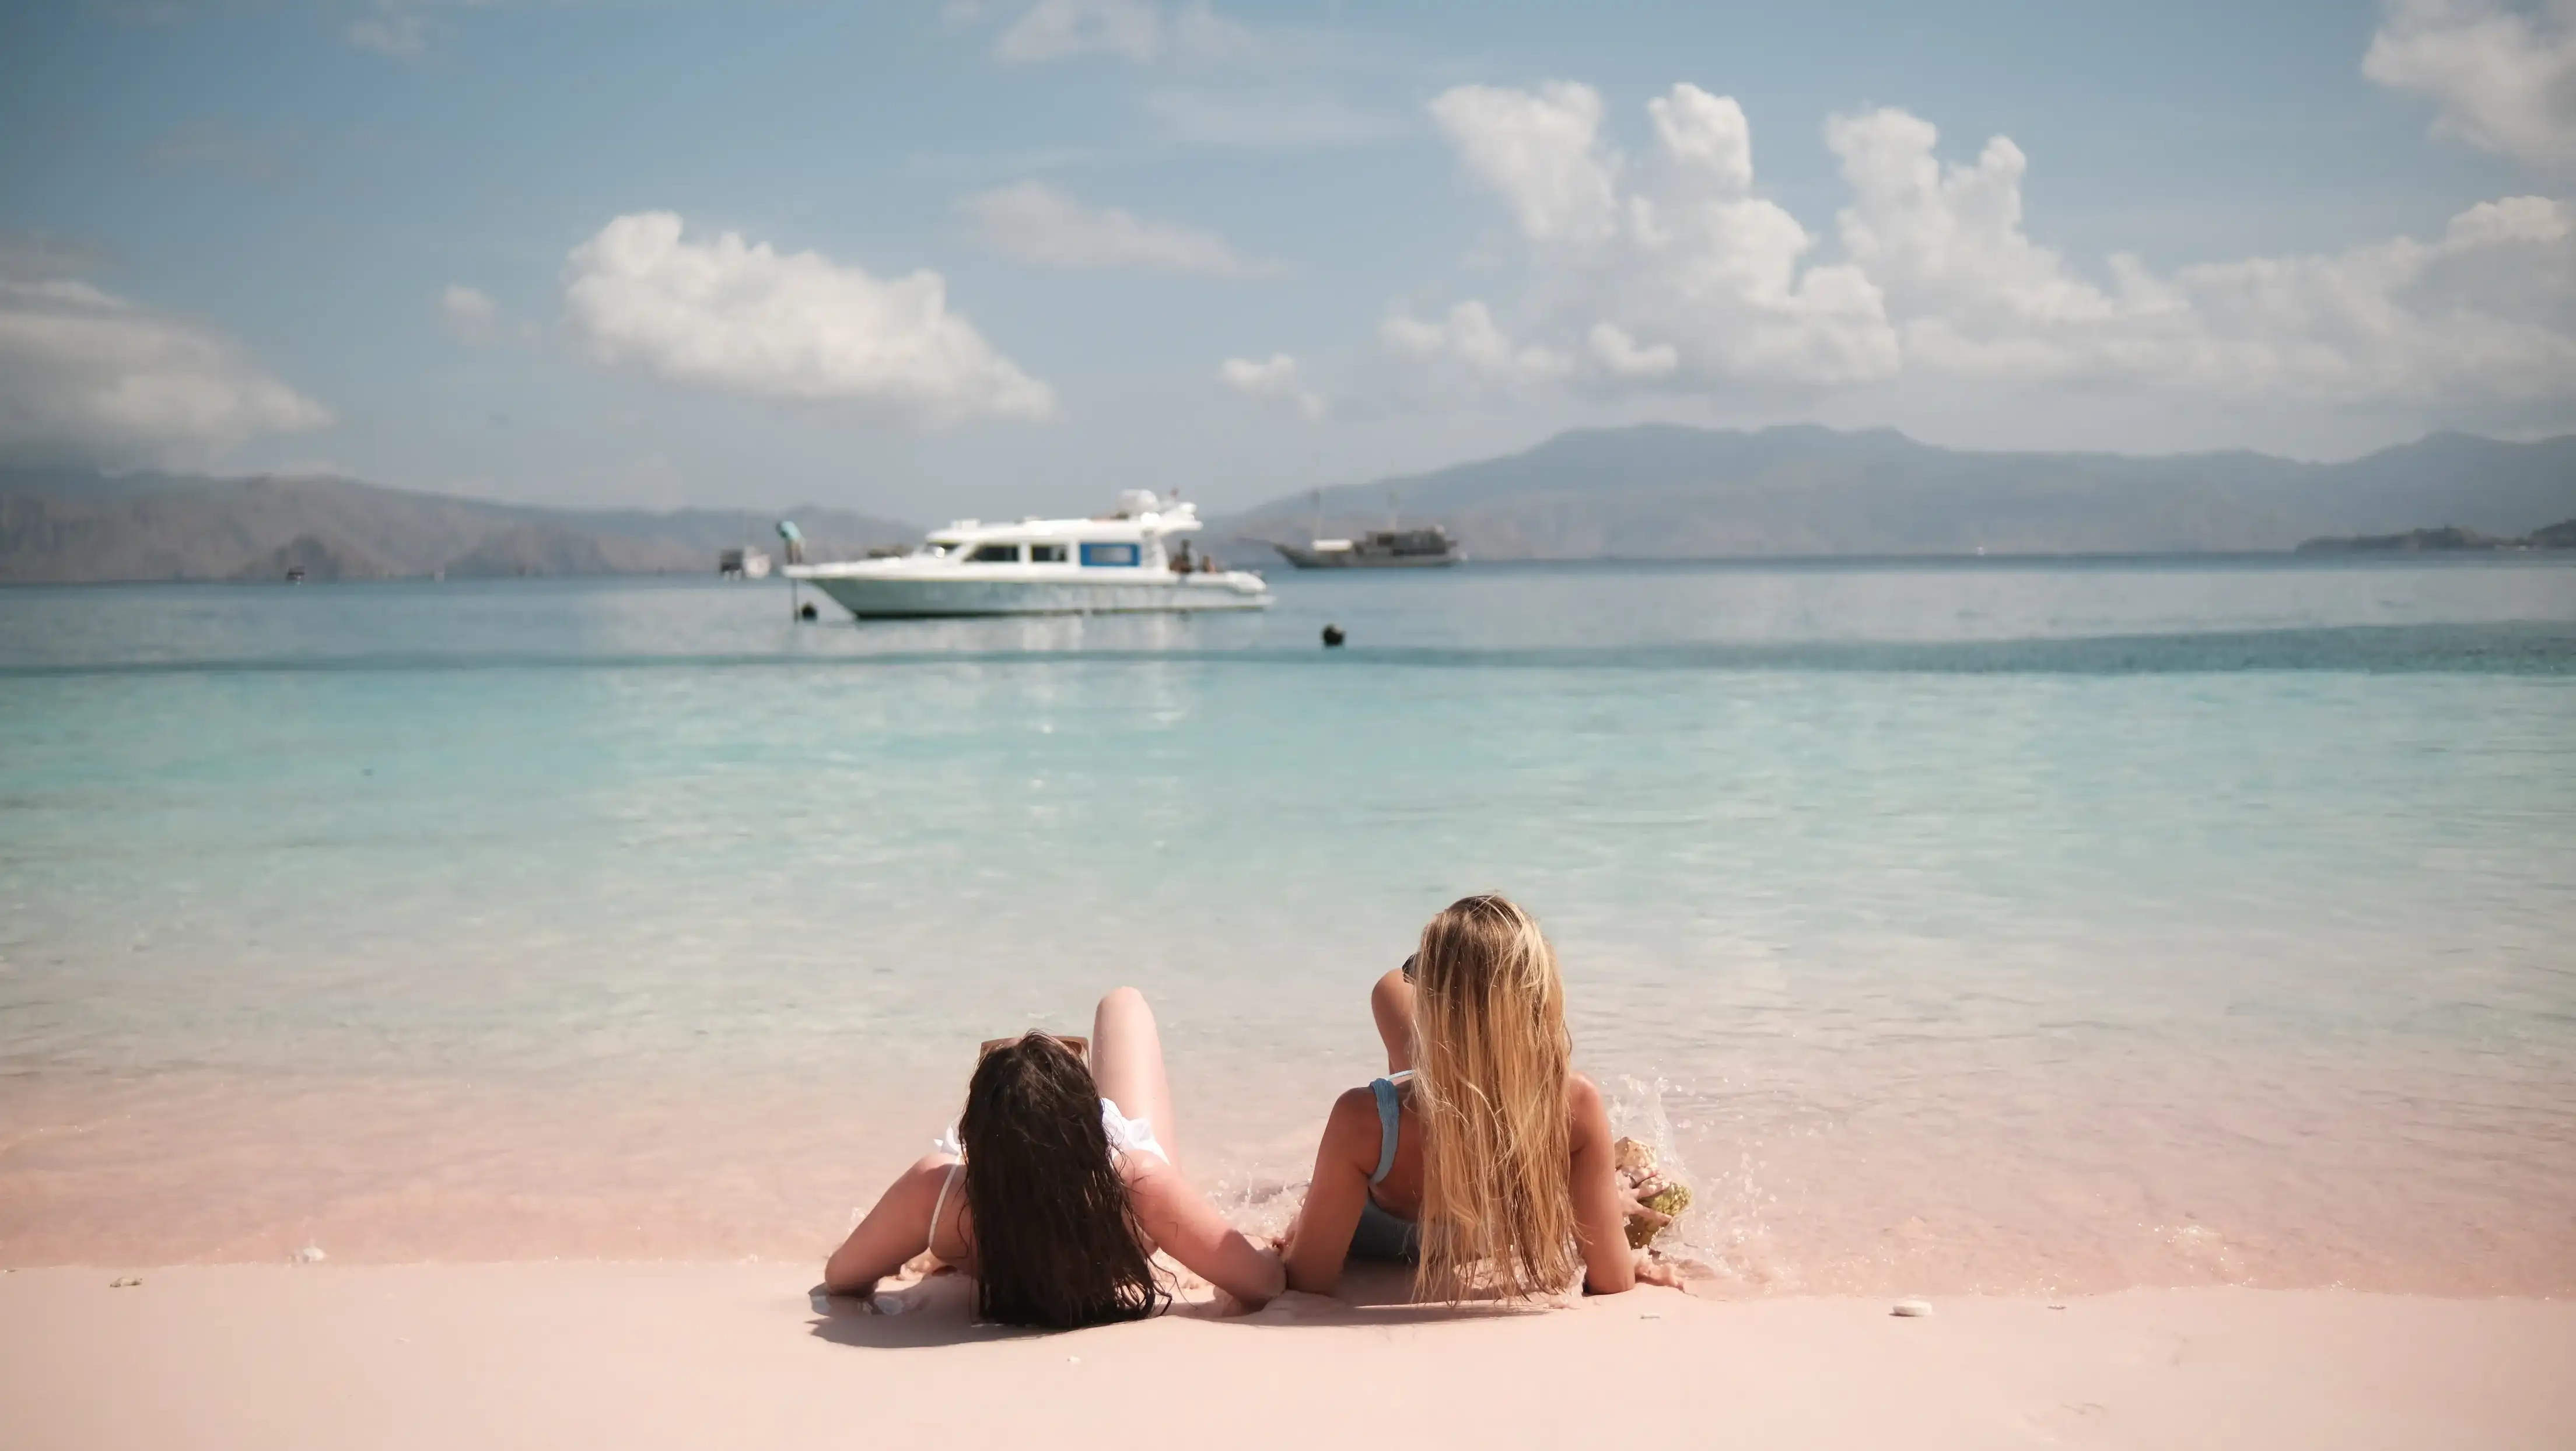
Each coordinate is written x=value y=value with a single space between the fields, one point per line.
x=1129 y=560
x=1426 y=547
x=742 y=564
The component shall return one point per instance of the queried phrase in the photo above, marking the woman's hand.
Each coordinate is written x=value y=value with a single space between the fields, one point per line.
x=1632 y=1201
x=1275 y=1274
x=1654 y=1269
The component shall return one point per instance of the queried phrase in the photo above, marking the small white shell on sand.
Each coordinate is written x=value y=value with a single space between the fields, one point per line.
x=311 y=1254
x=1911 y=1308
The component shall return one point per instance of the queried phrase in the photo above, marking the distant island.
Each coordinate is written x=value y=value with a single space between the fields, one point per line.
x=1653 y=491
x=61 y=527
x=2430 y=541
x=1657 y=491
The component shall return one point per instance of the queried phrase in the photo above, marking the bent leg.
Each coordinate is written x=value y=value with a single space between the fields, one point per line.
x=1391 y=1002
x=1127 y=1063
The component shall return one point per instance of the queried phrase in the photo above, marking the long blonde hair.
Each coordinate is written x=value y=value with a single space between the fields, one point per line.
x=1490 y=1056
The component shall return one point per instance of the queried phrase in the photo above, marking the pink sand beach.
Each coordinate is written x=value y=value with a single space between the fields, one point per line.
x=649 y=1355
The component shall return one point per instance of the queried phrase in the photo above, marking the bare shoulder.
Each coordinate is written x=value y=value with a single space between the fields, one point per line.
x=1582 y=1095
x=1352 y=1130
x=928 y=1172
x=1355 y=1105
x=1586 y=1112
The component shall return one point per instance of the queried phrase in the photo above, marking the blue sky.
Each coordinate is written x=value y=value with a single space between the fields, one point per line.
x=1014 y=256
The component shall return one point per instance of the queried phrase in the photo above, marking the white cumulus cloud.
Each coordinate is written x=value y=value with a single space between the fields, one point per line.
x=1622 y=355
x=2504 y=78
x=1470 y=338
x=745 y=318
x=1706 y=136
x=1669 y=267
x=2473 y=313
x=1136 y=30
x=469 y=313
x=90 y=378
x=1273 y=380
x=1539 y=150
x=1035 y=223
x=1671 y=271
x=1949 y=239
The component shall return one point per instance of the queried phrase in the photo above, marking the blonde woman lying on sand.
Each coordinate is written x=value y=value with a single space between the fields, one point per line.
x=1480 y=1155
x=1061 y=1197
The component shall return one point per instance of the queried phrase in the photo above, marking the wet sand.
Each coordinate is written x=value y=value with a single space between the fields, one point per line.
x=502 y=1355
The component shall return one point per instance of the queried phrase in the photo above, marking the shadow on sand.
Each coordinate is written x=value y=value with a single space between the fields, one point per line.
x=939 y=1311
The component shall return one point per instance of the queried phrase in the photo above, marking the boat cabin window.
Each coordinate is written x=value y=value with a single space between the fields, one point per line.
x=995 y=554
x=1109 y=554
x=1046 y=554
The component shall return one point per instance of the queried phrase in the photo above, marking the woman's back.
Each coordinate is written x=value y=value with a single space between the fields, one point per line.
x=1499 y=1156
x=1062 y=1196
x=1390 y=1220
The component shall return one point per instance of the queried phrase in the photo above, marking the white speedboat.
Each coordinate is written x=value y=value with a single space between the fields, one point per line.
x=1131 y=559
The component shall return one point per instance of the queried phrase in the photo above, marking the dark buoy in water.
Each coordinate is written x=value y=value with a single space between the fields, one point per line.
x=1333 y=637
x=806 y=613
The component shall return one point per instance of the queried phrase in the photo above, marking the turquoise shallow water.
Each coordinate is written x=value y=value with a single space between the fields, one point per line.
x=2003 y=925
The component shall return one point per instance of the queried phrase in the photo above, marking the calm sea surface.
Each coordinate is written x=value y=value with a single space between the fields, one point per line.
x=2016 y=926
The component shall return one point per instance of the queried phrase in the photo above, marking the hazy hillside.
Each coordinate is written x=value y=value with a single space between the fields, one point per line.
x=1654 y=491
x=1658 y=491
x=62 y=528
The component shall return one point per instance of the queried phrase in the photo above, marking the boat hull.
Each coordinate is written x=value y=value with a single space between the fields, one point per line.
x=896 y=597
x=1360 y=559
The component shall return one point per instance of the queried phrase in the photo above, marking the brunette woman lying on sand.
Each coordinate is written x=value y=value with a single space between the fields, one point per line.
x=1062 y=1197
x=1479 y=1156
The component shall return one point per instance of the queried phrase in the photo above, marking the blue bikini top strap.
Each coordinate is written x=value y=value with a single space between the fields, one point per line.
x=1384 y=1088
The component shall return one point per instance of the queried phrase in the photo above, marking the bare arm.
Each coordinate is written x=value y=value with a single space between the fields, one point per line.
x=1600 y=1216
x=1179 y=1219
x=895 y=1231
x=1320 y=1240
x=1391 y=1004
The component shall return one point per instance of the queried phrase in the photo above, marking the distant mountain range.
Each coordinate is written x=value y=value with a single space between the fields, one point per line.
x=1663 y=492
x=58 y=527
x=1648 y=492
x=2561 y=535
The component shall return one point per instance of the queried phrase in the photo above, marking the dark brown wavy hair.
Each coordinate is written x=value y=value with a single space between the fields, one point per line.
x=1056 y=1239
